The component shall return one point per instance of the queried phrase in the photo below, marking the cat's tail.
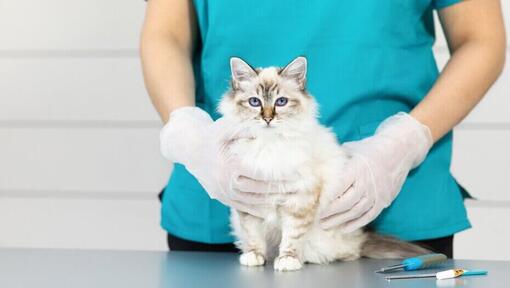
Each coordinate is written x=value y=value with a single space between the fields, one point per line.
x=384 y=247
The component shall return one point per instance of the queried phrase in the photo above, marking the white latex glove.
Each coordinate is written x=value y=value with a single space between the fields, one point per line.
x=374 y=175
x=193 y=139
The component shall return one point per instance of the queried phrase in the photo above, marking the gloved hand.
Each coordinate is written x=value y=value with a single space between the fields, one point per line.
x=374 y=175
x=193 y=139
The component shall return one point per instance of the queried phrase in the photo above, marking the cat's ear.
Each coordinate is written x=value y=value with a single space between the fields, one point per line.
x=296 y=70
x=241 y=71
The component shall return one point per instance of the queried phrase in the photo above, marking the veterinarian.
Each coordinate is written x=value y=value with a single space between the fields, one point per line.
x=372 y=70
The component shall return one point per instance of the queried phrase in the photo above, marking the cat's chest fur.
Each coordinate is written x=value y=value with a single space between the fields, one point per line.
x=273 y=153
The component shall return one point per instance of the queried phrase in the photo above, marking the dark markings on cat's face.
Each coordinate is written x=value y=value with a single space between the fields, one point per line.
x=267 y=88
x=268 y=91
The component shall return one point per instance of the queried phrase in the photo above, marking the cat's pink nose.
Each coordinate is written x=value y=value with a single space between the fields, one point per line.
x=268 y=119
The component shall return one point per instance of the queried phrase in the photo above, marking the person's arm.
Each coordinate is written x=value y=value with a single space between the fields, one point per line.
x=475 y=33
x=380 y=164
x=166 y=48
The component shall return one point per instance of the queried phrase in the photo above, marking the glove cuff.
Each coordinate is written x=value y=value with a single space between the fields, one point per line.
x=412 y=132
x=183 y=133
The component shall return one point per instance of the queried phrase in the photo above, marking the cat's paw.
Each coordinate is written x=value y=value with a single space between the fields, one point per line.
x=287 y=263
x=251 y=258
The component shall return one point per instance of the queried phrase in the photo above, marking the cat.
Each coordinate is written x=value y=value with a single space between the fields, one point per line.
x=277 y=131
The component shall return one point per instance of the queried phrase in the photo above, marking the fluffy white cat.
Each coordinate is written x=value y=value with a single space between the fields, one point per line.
x=277 y=131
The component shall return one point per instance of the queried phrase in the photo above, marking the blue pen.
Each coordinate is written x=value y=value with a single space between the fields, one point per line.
x=415 y=263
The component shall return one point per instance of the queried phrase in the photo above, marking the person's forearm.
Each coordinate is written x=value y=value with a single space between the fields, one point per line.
x=470 y=72
x=476 y=38
x=168 y=74
x=166 y=48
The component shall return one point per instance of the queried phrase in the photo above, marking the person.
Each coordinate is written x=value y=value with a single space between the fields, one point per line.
x=370 y=62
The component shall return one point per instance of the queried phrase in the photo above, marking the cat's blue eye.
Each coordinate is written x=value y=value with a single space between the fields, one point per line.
x=254 y=101
x=282 y=101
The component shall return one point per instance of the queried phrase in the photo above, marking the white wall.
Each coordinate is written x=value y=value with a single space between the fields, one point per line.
x=79 y=152
x=79 y=157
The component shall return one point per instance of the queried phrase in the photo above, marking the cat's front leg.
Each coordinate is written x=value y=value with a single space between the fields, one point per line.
x=296 y=222
x=251 y=240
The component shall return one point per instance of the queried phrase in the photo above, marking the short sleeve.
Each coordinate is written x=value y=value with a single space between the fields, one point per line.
x=440 y=4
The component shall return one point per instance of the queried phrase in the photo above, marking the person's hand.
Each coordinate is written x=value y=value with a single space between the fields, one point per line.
x=193 y=139
x=374 y=176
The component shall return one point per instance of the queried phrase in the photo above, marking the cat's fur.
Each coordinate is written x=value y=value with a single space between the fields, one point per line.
x=274 y=140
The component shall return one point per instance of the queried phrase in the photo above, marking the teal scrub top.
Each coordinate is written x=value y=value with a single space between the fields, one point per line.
x=367 y=60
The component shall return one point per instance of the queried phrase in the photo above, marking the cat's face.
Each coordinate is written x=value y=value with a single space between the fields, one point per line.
x=270 y=97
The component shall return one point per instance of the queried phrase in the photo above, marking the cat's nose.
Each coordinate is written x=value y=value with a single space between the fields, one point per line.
x=268 y=119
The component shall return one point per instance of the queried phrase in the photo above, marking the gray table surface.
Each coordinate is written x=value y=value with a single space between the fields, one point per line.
x=100 y=269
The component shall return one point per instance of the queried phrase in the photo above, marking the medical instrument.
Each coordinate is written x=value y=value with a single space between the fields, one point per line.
x=448 y=274
x=415 y=263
